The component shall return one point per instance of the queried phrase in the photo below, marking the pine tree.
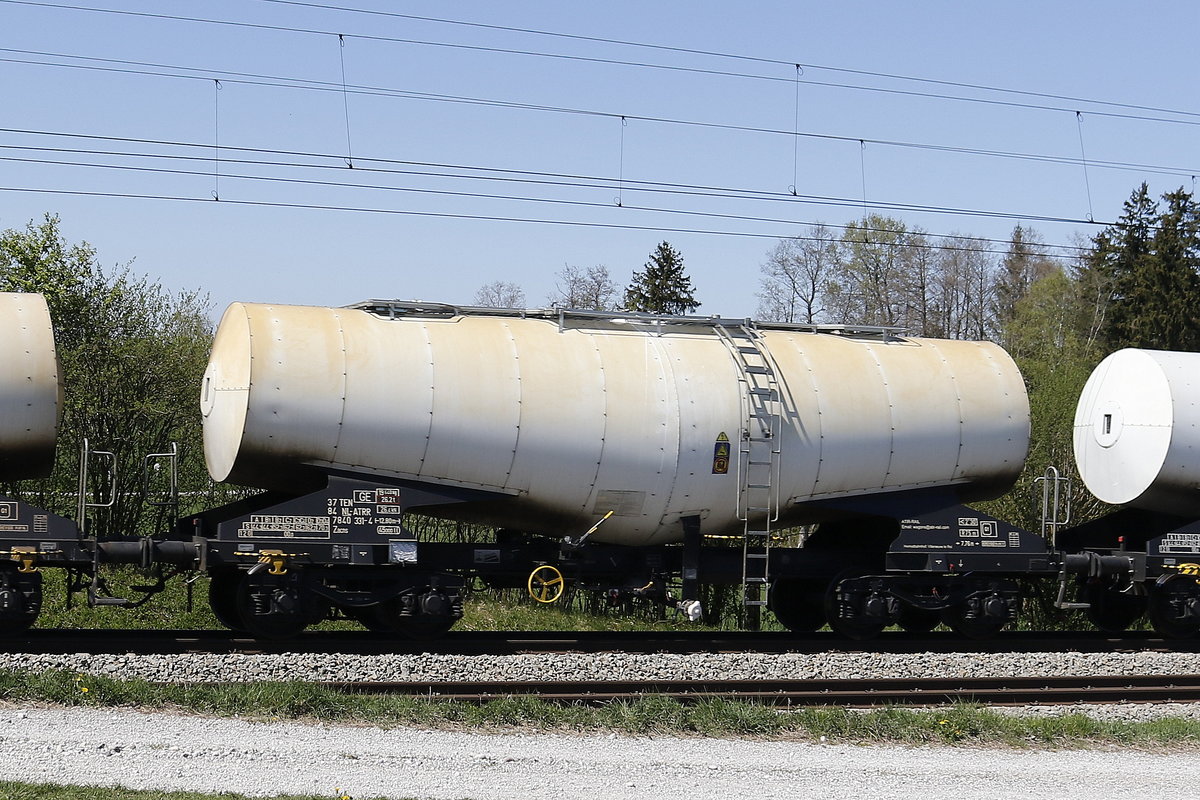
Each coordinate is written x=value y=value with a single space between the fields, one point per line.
x=1148 y=260
x=662 y=287
x=1022 y=266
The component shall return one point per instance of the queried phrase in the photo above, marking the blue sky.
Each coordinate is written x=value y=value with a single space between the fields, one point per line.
x=423 y=158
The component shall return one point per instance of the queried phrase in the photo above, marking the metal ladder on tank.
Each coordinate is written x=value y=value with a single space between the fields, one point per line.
x=757 y=462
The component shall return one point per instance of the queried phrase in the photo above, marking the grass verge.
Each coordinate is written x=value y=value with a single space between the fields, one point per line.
x=11 y=790
x=958 y=724
x=485 y=610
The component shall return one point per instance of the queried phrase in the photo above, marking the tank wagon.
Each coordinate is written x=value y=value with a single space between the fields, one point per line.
x=31 y=537
x=619 y=450
x=634 y=454
x=30 y=403
x=1137 y=445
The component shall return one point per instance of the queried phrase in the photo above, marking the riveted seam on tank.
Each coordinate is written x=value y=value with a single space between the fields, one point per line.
x=891 y=415
x=592 y=491
x=428 y=341
x=520 y=410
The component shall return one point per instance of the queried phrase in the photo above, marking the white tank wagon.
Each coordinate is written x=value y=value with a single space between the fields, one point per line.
x=1137 y=431
x=571 y=416
x=1137 y=445
x=30 y=387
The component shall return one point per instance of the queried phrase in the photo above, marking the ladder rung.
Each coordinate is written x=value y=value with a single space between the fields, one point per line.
x=756 y=555
x=758 y=463
x=758 y=486
x=762 y=392
x=758 y=533
x=758 y=508
x=754 y=369
x=754 y=602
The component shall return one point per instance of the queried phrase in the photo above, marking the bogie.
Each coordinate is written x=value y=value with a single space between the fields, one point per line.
x=1174 y=607
x=20 y=598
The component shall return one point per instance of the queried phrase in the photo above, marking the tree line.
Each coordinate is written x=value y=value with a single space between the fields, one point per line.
x=131 y=356
x=661 y=287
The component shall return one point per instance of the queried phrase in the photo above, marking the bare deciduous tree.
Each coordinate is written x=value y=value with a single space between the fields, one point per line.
x=588 y=288
x=796 y=276
x=875 y=270
x=500 y=294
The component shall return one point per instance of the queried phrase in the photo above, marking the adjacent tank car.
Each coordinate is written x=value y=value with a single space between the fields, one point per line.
x=30 y=388
x=1137 y=445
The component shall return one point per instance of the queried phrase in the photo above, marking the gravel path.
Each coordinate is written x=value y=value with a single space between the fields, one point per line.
x=159 y=751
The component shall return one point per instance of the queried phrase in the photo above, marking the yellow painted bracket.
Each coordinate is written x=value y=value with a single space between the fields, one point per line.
x=25 y=557
x=275 y=559
x=546 y=584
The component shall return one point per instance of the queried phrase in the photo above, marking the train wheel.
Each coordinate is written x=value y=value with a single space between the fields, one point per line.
x=370 y=618
x=20 y=598
x=1173 y=607
x=222 y=597
x=1110 y=610
x=858 y=627
x=918 y=620
x=386 y=617
x=271 y=608
x=972 y=627
x=798 y=604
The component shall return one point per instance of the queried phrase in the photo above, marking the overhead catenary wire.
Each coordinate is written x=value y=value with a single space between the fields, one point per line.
x=1191 y=117
x=145 y=68
x=518 y=176
x=548 y=201
x=436 y=214
x=216 y=193
x=732 y=56
x=345 y=100
x=258 y=79
x=1087 y=183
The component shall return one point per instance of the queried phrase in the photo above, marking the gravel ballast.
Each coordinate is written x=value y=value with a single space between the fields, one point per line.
x=208 y=668
x=602 y=666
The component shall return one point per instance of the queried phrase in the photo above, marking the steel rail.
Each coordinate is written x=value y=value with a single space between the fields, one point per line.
x=1050 y=690
x=50 y=641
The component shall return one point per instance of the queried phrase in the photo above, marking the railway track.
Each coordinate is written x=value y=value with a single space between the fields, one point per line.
x=50 y=641
x=819 y=692
x=783 y=693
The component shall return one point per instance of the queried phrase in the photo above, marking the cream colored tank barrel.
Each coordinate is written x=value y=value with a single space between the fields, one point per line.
x=30 y=387
x=1137 y=431
x=576 y=417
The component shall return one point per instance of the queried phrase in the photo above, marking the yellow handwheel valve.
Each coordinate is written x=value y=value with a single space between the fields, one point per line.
x=546 y=584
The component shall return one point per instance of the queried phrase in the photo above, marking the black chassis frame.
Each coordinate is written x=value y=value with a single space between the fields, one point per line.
x=347 y=537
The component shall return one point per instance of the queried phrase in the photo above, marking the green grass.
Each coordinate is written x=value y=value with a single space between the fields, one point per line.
x=485 y=610
x=11 y=790
x=510 y=611
x=958 y=724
